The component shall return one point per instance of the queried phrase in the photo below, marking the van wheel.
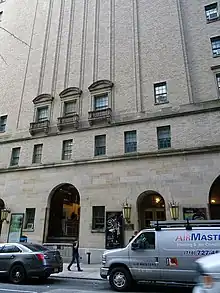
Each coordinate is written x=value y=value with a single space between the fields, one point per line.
x=17 y=274
x=120 y=279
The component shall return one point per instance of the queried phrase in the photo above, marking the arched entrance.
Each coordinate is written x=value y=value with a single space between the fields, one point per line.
x=151 y=207
x=2 y=206
x=214 y=200
x=64 y=213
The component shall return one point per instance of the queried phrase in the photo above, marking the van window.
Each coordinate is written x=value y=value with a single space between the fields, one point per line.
x=146 y=240
x=10 y=249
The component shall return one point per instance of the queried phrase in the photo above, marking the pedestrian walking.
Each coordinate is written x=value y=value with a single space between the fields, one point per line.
x=132 y=237
x=75 y=257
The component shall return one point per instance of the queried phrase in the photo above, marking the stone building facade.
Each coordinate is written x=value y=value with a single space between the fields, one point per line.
x=103 y=102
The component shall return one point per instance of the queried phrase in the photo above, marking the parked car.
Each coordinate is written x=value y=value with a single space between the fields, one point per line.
x=208 y=268
x=19 y=261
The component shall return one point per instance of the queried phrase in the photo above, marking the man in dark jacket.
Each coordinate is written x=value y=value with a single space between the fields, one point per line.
x=132 y=237
x=75 y=256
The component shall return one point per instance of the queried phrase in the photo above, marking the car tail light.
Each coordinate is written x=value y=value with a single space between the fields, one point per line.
x=208 y=281
x=40 y=257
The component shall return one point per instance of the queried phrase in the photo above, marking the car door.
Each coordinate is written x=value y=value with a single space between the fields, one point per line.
x=2 y=265
x=143 y=257
x=8 y=255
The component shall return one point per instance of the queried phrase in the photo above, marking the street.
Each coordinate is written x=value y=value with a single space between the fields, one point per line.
x=61 y=285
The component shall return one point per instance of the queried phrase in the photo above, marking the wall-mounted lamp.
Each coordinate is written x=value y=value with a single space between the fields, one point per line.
x=174 y=209
x=4 y=214
x=127 y=212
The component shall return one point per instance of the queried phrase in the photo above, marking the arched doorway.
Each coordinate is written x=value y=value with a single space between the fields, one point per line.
x=64 y=213
x=2 y=206
x=151 y=207
x=214 y=200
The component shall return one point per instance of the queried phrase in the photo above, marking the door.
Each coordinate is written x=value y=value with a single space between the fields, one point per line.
x=8 y=255
x=154 y=214
x=143 y=257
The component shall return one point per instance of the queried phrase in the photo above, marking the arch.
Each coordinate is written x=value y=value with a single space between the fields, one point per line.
x=100 y=85
x=2 y=206
x=214 y=199
x=43 y=98
x=71 y=91
x=63 y=213
x=150 y=207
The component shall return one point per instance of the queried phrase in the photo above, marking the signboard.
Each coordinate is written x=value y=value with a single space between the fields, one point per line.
x=114 y=235
x=15 y=228
x=194 y=214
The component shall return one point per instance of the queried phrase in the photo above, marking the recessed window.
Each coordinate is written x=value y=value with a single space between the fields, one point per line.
x=67 y=149
x=100 y=145
x=37 y=154
x=130 y=141
x=215 y=46
x=69 y=108
x=42 y=114
x=15 y=155
x=211 y=11
x=160 y=93
x=218 y=82
x=101 y=102
x=3 y=121
x=98 y=217
x=164 y=137
x=29 y=219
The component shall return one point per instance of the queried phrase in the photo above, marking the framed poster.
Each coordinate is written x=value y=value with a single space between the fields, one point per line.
x=114 y=234
x=194 y=214
x=15 y=227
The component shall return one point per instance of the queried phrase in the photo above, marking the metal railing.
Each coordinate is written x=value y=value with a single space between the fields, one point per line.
x=105 y=114
x=39 y=126
x=67 y=121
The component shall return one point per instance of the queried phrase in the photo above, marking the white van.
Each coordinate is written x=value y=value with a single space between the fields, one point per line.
x=164 y=253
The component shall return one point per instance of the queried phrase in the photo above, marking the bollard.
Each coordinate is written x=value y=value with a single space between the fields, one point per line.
x=89 y=257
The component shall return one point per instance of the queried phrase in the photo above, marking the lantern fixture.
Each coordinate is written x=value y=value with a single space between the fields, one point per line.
x=4 y=214
x=174 y=210
x=127 y=212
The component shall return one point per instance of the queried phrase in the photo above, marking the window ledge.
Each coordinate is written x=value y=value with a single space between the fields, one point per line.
x=28 y=230
x=216 y=56
x=98 y=230
x=13 y=166
x=100 y=157
x=213 y=20
x=162 y=103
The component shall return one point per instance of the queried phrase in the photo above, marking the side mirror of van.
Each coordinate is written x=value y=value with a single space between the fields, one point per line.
x=134 y=246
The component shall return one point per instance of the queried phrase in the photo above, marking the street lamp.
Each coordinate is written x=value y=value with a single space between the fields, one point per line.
x=127 y=212
x=174 y=210
x=4 y=214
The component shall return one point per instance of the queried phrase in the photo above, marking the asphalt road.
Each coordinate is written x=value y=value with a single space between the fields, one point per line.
x=78 y=286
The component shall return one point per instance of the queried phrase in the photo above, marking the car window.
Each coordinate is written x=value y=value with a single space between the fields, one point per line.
x=35 y=247
x=10 y=249
x=146 y=240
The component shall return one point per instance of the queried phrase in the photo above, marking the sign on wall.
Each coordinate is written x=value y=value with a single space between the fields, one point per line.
x=194 y=214
x=114 y=235
x=15 y=227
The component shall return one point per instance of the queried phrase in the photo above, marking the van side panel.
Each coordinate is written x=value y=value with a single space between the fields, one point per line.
x=179 y=248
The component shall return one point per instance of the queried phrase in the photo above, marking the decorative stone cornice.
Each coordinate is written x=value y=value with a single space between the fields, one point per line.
x=100 y=85
x=43 y=98
x=71 y=91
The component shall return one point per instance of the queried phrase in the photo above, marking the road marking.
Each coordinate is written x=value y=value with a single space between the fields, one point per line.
x=21 y=291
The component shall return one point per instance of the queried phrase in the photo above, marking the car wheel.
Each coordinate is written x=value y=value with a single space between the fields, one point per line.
x=17 y=274
x=120 y=279
x=44 y=278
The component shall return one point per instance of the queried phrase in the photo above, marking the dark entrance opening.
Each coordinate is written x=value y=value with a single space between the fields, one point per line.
x=2 y=206
x=151 y=207
x=214 y=200
x=64 y=214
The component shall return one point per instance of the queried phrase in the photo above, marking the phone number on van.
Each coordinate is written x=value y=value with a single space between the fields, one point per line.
x=200 y=252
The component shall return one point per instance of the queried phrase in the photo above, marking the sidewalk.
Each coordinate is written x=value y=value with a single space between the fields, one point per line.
x=90 y=272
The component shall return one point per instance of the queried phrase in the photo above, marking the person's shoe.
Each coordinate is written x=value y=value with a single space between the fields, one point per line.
x=68 y=269
x=80 y=270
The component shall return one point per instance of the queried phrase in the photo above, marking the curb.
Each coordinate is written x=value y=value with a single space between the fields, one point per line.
x=78 y=278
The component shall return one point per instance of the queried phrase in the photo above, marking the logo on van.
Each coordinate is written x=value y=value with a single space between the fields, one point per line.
x=198 y=237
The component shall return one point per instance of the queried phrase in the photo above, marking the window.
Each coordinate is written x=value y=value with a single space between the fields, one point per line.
x=100 y=145
x=163 y=136
x=211 y=12
x=15 y=156
x=67 y=149
x=215 y=46
x=3 y=121
x=160 y=93
x=37 y=153
x=29 y=219
x=10 y=249
x=146 y=240
x=98 y=217
x=130 y=140
x=42 y=114
x=218 y=82
x=101 y=102
x=69 y=108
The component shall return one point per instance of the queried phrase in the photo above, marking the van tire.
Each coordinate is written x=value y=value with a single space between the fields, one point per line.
x=120 y=279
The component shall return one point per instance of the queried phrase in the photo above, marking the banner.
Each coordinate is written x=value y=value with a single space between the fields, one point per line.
x=15 y=228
